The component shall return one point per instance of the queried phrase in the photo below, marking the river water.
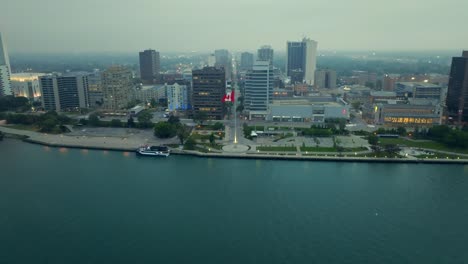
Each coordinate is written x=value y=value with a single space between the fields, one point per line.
x=61 y=205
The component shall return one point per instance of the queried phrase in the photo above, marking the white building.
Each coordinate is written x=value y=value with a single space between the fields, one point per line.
x=26 y=84
x=5 y=69
x=177 y=97
x=259 y=84
x=310 y=60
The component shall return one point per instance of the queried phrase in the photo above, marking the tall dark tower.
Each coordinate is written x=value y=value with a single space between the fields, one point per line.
x=457 y=94
x=149 y=66
x=208 y=88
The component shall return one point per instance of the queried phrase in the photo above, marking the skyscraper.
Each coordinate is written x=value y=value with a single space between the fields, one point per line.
x=116 y=87
x=259 y=85
x=64 y=93
x=457 y=94
x=209 y=87
x=224 y=60
x=325 y=79
x=5 y=69
x=265 y=53
x=301 y=60
x=247 y=60
x=150 y=66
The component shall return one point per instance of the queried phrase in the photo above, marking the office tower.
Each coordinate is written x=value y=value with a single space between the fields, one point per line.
x=209 y=87
x=211 y=60
x=457 y=94
x=247 y=60
x=26 y=85
x=150 y=66
x=325 y=79
x=301 y=60
x=224 y=60
x=265 y=53
x=5 y=69
x=116 y=87
x=259 y=84
x=64 y=93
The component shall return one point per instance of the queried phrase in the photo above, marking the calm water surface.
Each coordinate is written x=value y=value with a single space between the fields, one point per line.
x=79 y=206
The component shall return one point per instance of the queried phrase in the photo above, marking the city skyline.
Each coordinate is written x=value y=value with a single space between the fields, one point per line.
x=356 y=25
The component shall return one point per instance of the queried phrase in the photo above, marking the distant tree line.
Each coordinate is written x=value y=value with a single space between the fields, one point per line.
x=50 y=122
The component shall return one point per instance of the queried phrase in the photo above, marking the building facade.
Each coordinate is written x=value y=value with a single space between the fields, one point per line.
x=301 y=60
x=209 y=87
x=177 y=97
x=224 y=60
x=5 y=69
x=150 y=66
x=407 y=115
x=325 y=79
x=259 y=84
x=265 y=53
x=64 y=93
x=457 y=93
x=420 y=90
x=247 y=60
x=117 y=87
x=26 y=85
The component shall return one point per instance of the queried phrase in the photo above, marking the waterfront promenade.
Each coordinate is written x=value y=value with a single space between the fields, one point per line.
x=129 y=140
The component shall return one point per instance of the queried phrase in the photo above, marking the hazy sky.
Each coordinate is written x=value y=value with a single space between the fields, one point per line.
x=204 y=25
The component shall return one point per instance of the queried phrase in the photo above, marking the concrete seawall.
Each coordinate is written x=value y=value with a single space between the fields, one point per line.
x=279 y=156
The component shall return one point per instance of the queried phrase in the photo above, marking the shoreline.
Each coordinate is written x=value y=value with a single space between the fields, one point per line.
x=50 y=142
x=279 y=156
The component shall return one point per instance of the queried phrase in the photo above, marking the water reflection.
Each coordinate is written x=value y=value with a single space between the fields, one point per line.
x=47 y=148
x=63 y=150
x=126 y=154
x=84 y=151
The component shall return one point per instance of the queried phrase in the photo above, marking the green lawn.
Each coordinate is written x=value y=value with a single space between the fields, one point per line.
x=420 y=144
x=277 y=148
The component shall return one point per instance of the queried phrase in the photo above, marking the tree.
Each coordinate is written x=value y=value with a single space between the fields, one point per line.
x=130 y=122
x=173 y=120
x=2 y=135
x=48 y=125
x=190 y=144
x=240 y=108
x=144 y=118
x=212 y=139
x=200 y=117
x=153 y=103
x=164 y=130
x=183 y=132
x=356 y=105
x=116 y=123
x=373 y=139
x=401 y=131
x=93 y=119
x=218 y=126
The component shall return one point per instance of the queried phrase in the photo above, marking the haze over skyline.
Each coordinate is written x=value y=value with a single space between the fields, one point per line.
x=54 y=26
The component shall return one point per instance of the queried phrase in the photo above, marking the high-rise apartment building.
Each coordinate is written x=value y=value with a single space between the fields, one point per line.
x=247 y=60
x=177 y=97
x=224 y=60
x=26 y=85
x=301 y=60
x=209 y=87
x=259 y=85
x=64 y=93
x=265 y=53
x=150 y=66
x=5 y=69
x=116 y=83
x=457 y=93
x=325 y=79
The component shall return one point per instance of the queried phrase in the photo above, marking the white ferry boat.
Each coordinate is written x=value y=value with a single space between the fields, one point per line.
x=153 y=151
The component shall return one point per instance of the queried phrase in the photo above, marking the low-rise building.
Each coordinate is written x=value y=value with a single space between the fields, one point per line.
x=422 y=90
x=414 y=114
x=305 y=110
